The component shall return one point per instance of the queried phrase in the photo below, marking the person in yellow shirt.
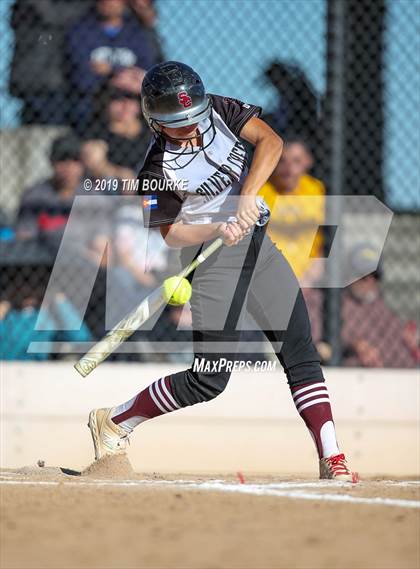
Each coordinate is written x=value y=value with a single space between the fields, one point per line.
x=297 y=204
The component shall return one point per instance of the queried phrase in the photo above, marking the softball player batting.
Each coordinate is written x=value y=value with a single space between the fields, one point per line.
x=196 y=147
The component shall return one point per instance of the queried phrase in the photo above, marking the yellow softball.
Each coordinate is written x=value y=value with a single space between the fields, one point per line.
x=176 y=291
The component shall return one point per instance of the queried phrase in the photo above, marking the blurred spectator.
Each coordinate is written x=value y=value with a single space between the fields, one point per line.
x=19 y=319
x=37 y=70
x=128 y=79
x=118 y=140
x=299 y=105
x=145 y=12
x=45 y=207
x=297 y=204
x=104 y=40
x=372 y=334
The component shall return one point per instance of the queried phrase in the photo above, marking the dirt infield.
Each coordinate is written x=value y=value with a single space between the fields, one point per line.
x=110 y=517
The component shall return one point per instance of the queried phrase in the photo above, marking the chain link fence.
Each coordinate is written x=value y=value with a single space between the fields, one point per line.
x=337 y=79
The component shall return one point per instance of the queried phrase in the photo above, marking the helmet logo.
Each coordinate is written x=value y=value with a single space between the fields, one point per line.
x=184 y=99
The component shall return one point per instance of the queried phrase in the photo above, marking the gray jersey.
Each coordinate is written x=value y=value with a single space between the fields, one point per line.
x=177 y=184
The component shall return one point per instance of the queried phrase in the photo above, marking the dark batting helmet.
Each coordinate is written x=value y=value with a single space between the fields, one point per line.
x=173 y=96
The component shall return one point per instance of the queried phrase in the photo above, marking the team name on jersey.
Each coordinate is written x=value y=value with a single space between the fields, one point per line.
x=226 y=174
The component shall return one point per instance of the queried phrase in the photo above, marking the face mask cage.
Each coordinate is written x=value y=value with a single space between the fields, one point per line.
x=206 y=138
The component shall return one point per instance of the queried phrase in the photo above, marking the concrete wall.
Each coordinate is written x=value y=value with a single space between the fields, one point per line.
x=252 y=427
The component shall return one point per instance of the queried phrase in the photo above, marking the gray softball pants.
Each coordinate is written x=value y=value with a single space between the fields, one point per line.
x=252 y=276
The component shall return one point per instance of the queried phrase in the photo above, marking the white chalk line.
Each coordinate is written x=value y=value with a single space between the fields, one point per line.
x=277 y=489
x=404 y=483
x=219 y=484
x=275 y=485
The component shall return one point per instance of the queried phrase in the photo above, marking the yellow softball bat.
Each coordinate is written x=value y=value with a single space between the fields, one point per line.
x=137 y=317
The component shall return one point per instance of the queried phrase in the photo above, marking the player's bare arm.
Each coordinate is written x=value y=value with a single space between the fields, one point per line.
x=268 y=149
x=182 y=235
x=179 y=235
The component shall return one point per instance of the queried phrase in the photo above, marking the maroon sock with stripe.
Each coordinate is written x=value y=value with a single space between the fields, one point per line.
x=313 y=404
x=155 y=400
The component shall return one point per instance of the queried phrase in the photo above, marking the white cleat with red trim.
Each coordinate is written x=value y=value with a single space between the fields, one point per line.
x=108 y=437
x=335 y=468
